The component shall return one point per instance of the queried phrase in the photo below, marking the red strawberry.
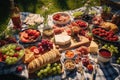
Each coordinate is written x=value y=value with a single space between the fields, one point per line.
x=19 y=68
x=90 y=67
x=32 y=48
x=37 y=34
x=4 y=57
x=18 y=48
x=16 y=55
x=36 y=51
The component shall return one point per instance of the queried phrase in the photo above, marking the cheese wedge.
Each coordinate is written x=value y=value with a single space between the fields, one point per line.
x=93 y=48
x=62 y=39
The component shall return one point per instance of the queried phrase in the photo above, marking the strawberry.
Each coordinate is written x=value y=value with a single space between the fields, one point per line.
x=37 y=34
x=16 y=55
x=18 y=48
x=36 y=51
x=4 y=57
x=19 y=68
x=90 y=67
x=32 y=48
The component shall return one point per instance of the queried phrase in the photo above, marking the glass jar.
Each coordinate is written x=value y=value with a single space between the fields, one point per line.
x=15 y=16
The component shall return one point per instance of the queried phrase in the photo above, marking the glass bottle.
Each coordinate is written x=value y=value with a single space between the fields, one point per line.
x=15 y=16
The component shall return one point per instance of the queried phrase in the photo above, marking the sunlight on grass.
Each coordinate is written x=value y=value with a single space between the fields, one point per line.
x=36 y=6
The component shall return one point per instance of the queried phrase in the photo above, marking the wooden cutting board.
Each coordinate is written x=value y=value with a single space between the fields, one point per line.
x=74 y=44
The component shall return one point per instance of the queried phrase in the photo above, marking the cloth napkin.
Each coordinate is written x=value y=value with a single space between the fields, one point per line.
x=12 y=69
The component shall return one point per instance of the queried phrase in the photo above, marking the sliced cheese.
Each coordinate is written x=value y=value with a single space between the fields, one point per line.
x=62 y=39
x=93 y=48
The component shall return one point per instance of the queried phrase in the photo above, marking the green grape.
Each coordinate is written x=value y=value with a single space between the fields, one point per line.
x=77 y=14
x=118 y=61
x=48 y=68
x=9 y=62
x=21 y=53
x=58 y=67
x=7 y=53
x=10 y=53
x=4 y=50
x=105 y=45
x=116 y=51
x=13 y=46
x=45 y=72
x=14 y=59
x=41 y=71
x=119 y=58
x=39 y=74
x=48 y=65
x=59 y=64
x=54 y=68
x=55 y=64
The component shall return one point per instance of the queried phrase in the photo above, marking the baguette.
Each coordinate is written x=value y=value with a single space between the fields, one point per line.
x=48 y=57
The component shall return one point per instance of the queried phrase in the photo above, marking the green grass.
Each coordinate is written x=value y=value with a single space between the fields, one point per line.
x=36 y=6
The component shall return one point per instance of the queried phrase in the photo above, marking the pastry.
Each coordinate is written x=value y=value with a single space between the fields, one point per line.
x=109 y=26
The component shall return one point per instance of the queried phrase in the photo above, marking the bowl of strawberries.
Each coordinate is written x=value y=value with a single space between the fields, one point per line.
x=61 y=18
x=105 y=35
x=80 y=23
x=29 y=35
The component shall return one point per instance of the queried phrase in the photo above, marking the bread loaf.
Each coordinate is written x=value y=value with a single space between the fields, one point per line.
x=48 y=57
x=29 y=56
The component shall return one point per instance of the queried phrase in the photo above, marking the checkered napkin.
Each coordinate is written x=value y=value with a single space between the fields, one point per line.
x=111 y=71
x=107 y=71
x=12 y=69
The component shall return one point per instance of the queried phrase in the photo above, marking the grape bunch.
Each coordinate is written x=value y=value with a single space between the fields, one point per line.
x=113 y=49
x=7 y=40
x=45 y=45
x=11 y=60
x=11 y=53
x=50 y=69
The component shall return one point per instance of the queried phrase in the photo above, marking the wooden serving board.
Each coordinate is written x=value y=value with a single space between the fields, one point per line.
x=75 y=41
x=73 y=44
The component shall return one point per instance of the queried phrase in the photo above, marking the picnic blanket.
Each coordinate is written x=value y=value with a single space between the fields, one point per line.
x=107 y=71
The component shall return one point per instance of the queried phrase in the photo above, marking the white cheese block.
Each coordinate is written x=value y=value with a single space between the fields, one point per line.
x=62 y=39
x=93 y=48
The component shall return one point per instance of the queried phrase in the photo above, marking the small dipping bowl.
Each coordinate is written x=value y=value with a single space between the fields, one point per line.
x=104 y=55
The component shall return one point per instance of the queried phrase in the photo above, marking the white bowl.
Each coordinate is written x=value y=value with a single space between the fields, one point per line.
x=61 y=22
x=103 y=58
